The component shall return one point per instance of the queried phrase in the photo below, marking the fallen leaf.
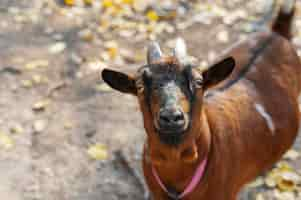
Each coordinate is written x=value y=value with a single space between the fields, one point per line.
x=270 y=181
x=152 y=15
x=259 y=197
x=284 y=195
x=68 y=125
x=286 y=185
x=98 y=152
x=107 y=3
x=36 y=64
x=17 y=129
x=291 y=154
x=283 y=177
x=112 y=52
x=86 y=35
x=6 y=142
x=141 y=5
x=130 y=2
x=223 y=36
x=103 y=87
x=95 y=65
x=88 y=2
x=27 y=83
x=39 y=125
x=37 y=79
x=69 y=2
x=40 y=105
x=112 y=48
x=57 y=47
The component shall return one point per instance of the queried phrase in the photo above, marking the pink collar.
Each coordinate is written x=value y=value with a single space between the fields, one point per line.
x=197 y=177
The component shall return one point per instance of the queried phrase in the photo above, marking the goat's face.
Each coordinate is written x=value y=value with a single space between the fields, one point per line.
x=168 y=89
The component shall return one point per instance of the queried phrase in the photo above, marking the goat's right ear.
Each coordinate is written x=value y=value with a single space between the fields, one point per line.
x=119 y=81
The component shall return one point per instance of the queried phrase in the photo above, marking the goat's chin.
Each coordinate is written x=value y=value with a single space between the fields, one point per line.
x=172 y=137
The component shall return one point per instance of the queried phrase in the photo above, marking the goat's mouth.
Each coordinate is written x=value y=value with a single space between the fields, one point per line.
x=172 y=134
x=172 y=130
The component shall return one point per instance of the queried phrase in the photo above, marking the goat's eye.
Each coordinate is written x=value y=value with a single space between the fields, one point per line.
x=140 y=88
x=198 y=82
x=140 y=85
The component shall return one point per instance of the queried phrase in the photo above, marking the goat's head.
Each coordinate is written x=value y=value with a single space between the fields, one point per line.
x=170 y=91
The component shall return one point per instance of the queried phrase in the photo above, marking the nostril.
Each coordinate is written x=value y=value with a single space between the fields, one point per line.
x=164 y=118
x=171 y=117
x=178 y=117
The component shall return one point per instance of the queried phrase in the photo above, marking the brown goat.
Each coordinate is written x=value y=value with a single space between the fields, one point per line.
x=236 y=121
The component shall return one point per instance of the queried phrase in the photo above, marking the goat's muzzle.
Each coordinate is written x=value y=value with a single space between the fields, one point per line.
x=171 y=123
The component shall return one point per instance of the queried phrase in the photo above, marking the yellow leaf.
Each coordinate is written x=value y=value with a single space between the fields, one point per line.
x=88 y=2
x=130 y=2
x=68 y=125
x=112 y=48
x=152 y=15
x=103 y=87
x=286 y=185
x=17 y=129
x=98 y=152
x=36 y=64
x=86 y=35
x=107 y=3
x=115 y=10
x=112 y=52
x=40 y=105
x=284 y=166
x=69 y=2
x=37 y=79
x=104 y=23
x=139 y=57
x=6 y=142
x=27 y=83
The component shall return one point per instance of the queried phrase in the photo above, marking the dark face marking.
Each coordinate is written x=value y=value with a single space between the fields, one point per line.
x=169 y=93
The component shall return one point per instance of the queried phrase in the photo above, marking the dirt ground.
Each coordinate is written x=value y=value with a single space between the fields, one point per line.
x=54 y=106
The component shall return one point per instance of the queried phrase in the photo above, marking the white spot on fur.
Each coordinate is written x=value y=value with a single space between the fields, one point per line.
x=260 y=109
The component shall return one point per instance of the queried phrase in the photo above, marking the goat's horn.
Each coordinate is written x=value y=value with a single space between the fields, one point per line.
x=153 y=52
x=180 y=51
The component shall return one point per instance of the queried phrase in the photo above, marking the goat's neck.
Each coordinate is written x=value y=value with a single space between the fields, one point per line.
x=177 y=171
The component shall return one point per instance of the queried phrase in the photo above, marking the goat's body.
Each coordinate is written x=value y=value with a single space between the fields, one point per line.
x=256 y=120
x=243 y=126
x=252 y=122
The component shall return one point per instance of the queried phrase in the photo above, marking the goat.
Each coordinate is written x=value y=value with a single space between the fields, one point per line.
x=210 y=131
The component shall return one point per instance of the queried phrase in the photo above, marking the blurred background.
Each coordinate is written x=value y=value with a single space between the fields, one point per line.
x=60 y=125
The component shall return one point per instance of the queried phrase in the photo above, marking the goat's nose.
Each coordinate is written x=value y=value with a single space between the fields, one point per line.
x=171 y=117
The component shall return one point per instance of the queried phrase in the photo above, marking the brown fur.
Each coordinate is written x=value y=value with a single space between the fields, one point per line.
x=236 y=137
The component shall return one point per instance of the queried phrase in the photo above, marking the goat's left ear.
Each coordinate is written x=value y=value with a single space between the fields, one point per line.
x=218 y=72
x=119 y=81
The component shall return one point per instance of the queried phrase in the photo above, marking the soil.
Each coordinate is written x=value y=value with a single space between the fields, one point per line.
x=53 y=164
